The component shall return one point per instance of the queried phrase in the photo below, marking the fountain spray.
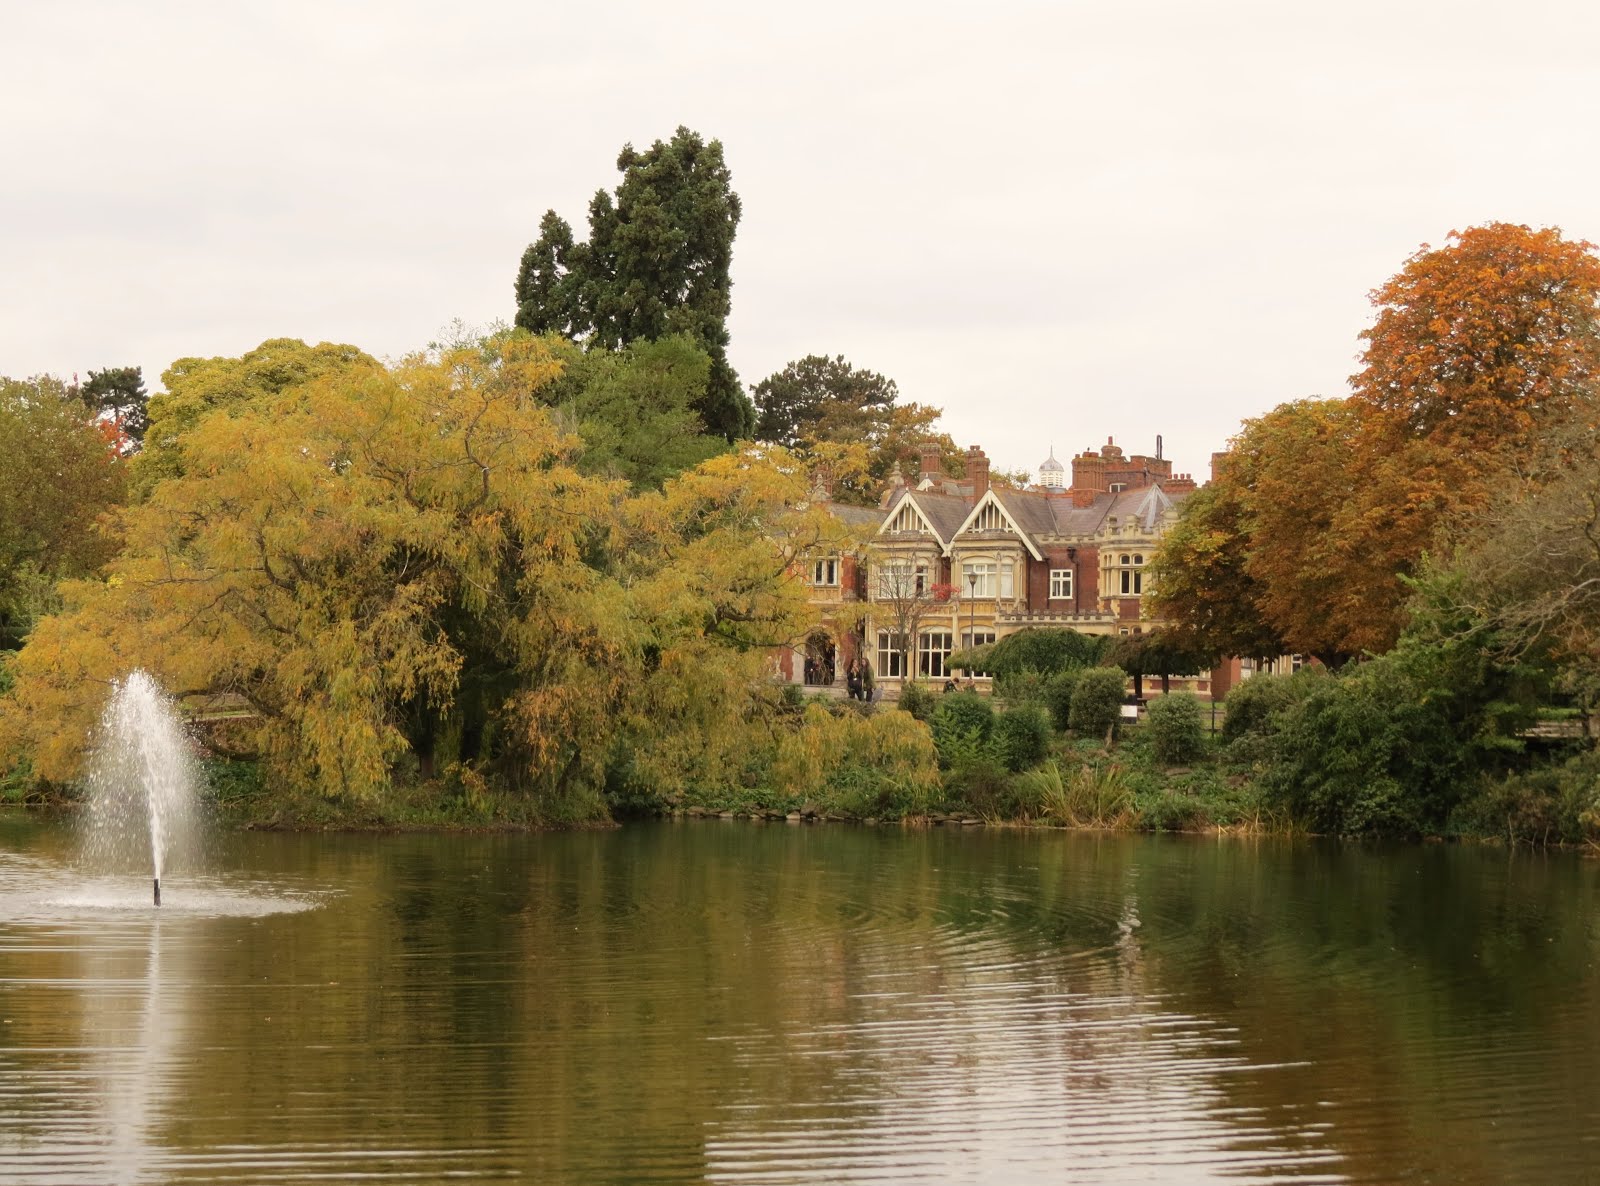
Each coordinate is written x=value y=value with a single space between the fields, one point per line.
x=142 y=782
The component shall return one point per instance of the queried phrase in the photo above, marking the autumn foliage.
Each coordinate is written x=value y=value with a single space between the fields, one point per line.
x=1324 y=509
x=384 y=564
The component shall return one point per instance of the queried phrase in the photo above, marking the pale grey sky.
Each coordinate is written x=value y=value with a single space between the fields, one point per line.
x=1058 y=222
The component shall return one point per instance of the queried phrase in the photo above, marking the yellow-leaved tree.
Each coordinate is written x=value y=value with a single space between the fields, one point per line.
x=383 y=561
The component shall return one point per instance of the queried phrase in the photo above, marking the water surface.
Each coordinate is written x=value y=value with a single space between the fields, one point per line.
x=726 y=1002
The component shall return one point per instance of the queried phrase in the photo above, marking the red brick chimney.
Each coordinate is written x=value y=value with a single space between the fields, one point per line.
x=978 y=471
x=932 y=467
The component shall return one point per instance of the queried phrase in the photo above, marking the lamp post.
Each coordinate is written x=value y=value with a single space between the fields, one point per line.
x=972 y=612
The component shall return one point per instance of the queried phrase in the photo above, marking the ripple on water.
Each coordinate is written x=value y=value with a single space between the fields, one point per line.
x=34 y=893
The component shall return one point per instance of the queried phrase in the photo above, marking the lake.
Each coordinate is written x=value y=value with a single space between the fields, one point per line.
x=719 y=1001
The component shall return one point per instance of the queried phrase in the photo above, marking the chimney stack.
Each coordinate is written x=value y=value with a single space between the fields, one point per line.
x=932 y=467
x=978 y=471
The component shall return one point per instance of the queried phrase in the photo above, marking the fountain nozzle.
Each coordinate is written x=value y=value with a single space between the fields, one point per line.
x=158 y=891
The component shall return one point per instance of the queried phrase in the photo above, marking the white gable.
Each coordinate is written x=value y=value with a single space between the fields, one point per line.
x=991 y=515
x=907 y=519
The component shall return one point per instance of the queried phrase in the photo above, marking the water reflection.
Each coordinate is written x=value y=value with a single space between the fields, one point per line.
x=88 y=1103
x=687 y=1003
x=132 y=1029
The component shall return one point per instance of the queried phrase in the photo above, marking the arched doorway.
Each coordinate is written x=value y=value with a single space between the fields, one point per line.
x=820 y=659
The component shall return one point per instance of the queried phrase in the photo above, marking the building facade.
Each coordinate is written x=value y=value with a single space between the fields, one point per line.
x=959 y=562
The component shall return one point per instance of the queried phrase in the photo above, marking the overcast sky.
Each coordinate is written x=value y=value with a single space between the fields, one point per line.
x=1058 y=222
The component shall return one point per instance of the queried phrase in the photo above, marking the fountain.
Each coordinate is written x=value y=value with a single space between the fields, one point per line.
x=142 y=783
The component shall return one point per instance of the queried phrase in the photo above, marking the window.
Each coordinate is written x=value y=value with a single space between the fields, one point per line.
x=889 y=655
x=933 y=652
x=1131 y=577
x=1060 y=584
x=992 y=579
x=825 y=571
x=902 y=580
x=1118 y=487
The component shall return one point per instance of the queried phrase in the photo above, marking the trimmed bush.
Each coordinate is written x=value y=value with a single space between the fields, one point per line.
x=1177 y=728
x=1058 y=691
x=1045 y=650
x=1021 y=737
x=1096 y=705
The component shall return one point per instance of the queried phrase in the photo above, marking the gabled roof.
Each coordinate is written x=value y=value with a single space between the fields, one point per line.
x=1017 y=509
x=940 y=514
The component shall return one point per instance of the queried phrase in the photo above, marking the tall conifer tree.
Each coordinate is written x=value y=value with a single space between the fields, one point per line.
x=656 y=263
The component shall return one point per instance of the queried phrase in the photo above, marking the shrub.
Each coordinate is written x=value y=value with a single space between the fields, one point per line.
x=1177 y=728
x=918 y=701
x=1021 y=736
x=1096 y=704
x=1171 y=813
x=1255 y=704
x=980 y=785
x=961 y=728
x=1020 y=687
x=1553 y=803
x=1372 y=751
x=1058 y=691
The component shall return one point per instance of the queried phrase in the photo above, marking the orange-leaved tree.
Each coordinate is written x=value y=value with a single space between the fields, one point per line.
x=1253 y=566
x=1479 y=348
x=1324 y=509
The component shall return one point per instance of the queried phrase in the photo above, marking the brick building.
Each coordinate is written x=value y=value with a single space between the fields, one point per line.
x=955 y=562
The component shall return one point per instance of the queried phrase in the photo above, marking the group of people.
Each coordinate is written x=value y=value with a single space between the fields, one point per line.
x=858 y=680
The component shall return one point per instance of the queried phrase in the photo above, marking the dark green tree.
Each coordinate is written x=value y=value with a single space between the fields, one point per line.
x=843 y=422
x=656 y=263
x=634 y=409
x=816 y=397
x=118 y=392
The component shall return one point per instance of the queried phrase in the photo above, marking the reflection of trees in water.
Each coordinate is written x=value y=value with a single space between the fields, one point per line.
x=1431 y=1006
x=682 y=999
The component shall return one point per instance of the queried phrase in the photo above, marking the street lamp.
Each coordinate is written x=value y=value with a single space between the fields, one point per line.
x=972 y=612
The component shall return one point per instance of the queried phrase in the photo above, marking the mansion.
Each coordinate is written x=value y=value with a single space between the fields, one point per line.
x=956 y=562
